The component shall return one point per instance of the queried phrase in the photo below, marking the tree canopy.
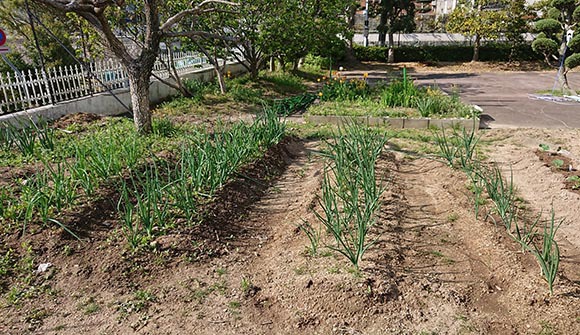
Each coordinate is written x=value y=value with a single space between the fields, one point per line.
x=474 y=19
x=395 y=16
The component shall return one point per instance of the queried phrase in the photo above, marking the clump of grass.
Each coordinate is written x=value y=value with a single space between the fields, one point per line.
x=164 y=127
x=400 y=93
x=291 y=105
x=284 y=81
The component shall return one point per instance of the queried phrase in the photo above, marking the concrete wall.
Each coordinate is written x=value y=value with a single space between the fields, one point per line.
x=105 y=103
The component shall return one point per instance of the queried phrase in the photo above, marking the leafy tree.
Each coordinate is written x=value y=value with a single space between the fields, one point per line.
x=140 y=23
x=14 y=18
x=298 y=27
x=517 y=24
x=252 y=47
x=213 y=37
x=561 y=16
x=396 y=16
x=474 y=19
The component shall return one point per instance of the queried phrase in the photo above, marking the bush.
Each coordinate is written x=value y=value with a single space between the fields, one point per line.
x=448 y=53
x=341 y=89
x=545 y=46
x=400 y=93
x=573 y=61
x=574 y=44
x=548 y=26
x=198 y=88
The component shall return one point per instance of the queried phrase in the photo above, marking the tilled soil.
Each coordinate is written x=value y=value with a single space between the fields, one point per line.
x=435 y=268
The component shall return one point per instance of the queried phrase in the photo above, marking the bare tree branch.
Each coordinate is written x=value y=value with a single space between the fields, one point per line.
x=197 y=9
x=202 y=34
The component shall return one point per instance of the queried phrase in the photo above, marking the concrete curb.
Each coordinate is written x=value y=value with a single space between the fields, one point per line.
x=397 y=123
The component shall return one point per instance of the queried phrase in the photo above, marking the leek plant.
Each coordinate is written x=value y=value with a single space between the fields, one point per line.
x=45 y=134
x=525 y=233
x=548 y=255
x=467 y=145
x=350 y=195
x=24 y=139
x=502 y=194
x=313 y=234
x=150 y=199
x=448 y=148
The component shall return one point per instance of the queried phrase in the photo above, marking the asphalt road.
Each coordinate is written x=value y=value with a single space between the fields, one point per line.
x=505 y=97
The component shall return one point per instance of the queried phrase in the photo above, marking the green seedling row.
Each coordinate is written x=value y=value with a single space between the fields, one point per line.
x=459 y=150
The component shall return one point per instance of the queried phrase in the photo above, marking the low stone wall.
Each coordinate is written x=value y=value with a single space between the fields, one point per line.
x=400 y=123
x=105 y=103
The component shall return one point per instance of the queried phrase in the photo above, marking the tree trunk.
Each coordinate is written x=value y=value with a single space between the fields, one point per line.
x=391 y=56
x=220 y=76
x=476 y=46
x=272 y=64
x=295 y=65
x=351 y=16
x=382 y=39
x=254 y=71
x=139 y=86
x=563 y=80
x=563 y=70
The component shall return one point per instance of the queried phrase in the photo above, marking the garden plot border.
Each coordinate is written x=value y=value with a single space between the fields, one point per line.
x=398 y=123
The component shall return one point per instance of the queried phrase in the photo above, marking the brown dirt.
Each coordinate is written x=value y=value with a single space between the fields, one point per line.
x=567 y=169
x=80 y=119
x=543 y=188
x=435 y=269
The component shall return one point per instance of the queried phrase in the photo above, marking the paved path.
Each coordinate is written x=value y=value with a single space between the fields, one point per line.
x=504 y=97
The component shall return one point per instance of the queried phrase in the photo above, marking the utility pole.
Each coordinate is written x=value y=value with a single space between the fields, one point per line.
x=366 y=29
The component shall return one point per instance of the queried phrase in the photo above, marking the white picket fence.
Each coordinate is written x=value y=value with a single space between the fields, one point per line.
x=30 y=89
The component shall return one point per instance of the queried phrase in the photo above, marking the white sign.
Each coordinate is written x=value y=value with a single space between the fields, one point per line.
x=4 y=50
x=569 y=35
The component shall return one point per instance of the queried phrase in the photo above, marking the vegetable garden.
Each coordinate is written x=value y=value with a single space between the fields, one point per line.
x=239 y=220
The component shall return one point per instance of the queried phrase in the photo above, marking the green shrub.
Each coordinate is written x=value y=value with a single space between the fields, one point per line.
x=575 y=43
x=553 y=13
x=293 y=104
x=548 y=26
x=400 y=93
x=545 y=46
x=448 y=53
x=573 y=61
x=341 y=89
